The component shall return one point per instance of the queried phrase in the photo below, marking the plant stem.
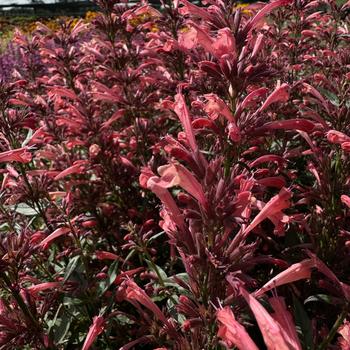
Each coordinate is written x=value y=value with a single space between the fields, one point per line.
x=333 y=331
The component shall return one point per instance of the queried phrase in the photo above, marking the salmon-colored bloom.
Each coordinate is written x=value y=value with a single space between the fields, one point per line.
x=177 y=175
x=182 y=112
x=345 y=199
x=274 y=206
x=135 y=293
x=57 y=233
x=335 y=136
x=344 y=340
x=232 y=332
x=295 y=272
x=77 y=168
x=192 y=9
x=274 y=335
x=290 y=124
x=346 y=146
x=158 y=187
x=34 y=290
x=216 y=107
x=252 y=23
x=223 y=44
x=97 y=327
x=280 y=94
x=285 y=319
x=102 y=255
x=20 y=155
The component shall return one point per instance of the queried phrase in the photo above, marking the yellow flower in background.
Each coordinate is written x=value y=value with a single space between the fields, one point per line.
x=243 y=8
x=90 y=15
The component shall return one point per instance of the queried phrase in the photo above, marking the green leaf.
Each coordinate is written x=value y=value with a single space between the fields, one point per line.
x=28 y=137
x=303 y=324
x=161 y=272
x=156 y=236
x=319 y=298
x=24 y=209
x=332 y=98
x=71 y=267
x=62 y=328
x=112 y=274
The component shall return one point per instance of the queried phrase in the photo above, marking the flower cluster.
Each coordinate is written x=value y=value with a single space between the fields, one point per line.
x=178 y=178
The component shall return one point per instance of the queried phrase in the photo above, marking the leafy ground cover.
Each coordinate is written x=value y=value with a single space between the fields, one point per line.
x=178 y=179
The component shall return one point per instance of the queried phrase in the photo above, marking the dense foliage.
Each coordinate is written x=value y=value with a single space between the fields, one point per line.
x=178 y=179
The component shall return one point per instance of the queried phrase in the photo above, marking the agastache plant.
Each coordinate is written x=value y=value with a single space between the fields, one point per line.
x=177 y=178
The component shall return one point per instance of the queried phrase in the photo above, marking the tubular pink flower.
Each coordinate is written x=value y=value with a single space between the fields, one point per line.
x=251 y=24
x=225 y=44
x=77 y=168
x=34 y=290
x=20 y=155
x=345 y=199
x=252 y=97
x=268 y=158
x=57 y=233
x=274 y=336
x=285 y=319
x=135 y=293
x=345 y=146
x=97 y=327
x=295 y=272
x=102 y=255
x=232 y=332
x=280 y=94
x=290 y=124
x=344 y=331
x=192 y=9
x=275 y=205
x=182 y=112
x=216 y=107
x=63 y=92
x=156 y=185
x=177 y=175
x=188 y=38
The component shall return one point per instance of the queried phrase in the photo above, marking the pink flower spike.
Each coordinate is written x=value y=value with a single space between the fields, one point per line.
x=178 y=175
x=275 y=205
x=57 y=233
x=345 y=199
x=280 y=94
x=232 y=332
x=20 y=155
x=77 y=168
x=97 y=327
x=295 y=272
x=34 y=290
x=274 y=336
